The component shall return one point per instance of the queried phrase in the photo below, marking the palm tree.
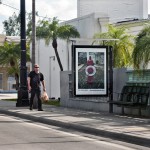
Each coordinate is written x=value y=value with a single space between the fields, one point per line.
x=122 y=48
x=10 y=58
x=51 y=30
x=141 y=52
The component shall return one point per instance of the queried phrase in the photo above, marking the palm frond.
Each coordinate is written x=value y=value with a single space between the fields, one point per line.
x=122 y=49
x=141 y=53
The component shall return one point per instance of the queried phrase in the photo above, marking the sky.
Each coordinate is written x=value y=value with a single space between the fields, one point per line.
x=62 y=9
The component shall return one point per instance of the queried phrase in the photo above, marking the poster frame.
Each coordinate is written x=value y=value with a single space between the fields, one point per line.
x=89 y=49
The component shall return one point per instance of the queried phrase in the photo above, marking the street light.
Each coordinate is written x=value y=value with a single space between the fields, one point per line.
x=23 y=99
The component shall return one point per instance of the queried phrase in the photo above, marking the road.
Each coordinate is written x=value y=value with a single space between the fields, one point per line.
x=19 y=134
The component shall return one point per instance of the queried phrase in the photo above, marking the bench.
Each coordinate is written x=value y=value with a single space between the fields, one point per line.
x=133 y=97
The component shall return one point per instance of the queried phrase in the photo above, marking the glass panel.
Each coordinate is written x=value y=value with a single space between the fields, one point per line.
x=139 y=77
x=1 y=77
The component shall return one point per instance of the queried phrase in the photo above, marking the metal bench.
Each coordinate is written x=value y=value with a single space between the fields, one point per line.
x=132 y=96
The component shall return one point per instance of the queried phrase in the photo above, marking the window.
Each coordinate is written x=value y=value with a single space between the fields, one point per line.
x=13 y=86
x=1 y=81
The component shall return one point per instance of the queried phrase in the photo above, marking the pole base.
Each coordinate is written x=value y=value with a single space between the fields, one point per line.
x=23 y=98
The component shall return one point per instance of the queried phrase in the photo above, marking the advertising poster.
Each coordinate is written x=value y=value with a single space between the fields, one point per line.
x=91 y=70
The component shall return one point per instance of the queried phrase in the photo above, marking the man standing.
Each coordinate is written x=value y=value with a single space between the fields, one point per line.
x=34 y=83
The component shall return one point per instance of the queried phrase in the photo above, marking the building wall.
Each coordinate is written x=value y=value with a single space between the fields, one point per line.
x=45 y=57
x=134 y=27
x=2 y=39
x=3 y=71
x=117 y=10
x=90 y=24
x=8 y=83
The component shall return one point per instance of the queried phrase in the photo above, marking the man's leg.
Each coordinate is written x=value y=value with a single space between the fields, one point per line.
x=31 y=99
x=39 y=100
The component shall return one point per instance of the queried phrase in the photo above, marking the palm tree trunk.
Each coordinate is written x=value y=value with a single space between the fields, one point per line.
x=54 y=44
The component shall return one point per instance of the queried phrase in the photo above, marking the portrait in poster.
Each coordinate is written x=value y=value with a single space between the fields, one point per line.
x=90 y=70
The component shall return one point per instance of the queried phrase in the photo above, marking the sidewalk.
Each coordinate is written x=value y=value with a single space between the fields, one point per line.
x=124 y=128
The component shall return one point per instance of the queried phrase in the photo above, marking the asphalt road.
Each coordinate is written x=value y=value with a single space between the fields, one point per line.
x=18 y=134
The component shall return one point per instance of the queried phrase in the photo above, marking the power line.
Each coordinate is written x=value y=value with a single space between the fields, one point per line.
x=19 y=9
x=8 y=5
x=26 y=12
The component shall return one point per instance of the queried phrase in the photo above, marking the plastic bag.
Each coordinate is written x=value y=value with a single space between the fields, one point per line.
x=44 y=97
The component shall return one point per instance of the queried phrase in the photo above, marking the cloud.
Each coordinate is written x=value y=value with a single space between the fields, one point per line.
x=63 y=9
x=59 y=8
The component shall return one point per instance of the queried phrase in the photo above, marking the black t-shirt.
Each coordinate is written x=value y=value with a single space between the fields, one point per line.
x=35 y=79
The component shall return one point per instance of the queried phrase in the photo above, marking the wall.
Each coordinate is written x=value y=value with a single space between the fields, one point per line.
x=90 y=24
x=2 y=39
x=117 y=10
x=45 y=57
x=6 y=83
x=3 y=71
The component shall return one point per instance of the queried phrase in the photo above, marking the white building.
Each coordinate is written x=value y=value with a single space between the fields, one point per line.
x=117 y=10
x=93 y=16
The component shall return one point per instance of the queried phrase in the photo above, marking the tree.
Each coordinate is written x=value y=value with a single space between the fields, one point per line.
x=51 y=30
x=141 y=52
x=122 y=48
x=12 y=25
x=10 y=58
x=12 y=28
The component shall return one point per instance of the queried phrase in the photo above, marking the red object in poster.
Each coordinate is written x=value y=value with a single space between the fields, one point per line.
x=90 y=62
x=90 y=71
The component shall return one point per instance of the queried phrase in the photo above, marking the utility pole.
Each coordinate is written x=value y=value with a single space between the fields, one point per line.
x=23 y=99
x=33 y=33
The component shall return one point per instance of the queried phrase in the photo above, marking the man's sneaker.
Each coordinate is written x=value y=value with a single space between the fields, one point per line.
x=40 y=109
x=30 y=108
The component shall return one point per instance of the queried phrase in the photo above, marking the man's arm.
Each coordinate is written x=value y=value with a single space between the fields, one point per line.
x=29 y=87
x=43 y=83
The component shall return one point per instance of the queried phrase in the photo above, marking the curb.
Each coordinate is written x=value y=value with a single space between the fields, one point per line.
x=98 y=132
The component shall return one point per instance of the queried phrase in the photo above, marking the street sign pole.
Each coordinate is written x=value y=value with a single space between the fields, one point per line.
x=23 y=99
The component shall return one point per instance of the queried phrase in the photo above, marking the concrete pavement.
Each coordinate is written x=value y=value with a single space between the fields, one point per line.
x=125 y=128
